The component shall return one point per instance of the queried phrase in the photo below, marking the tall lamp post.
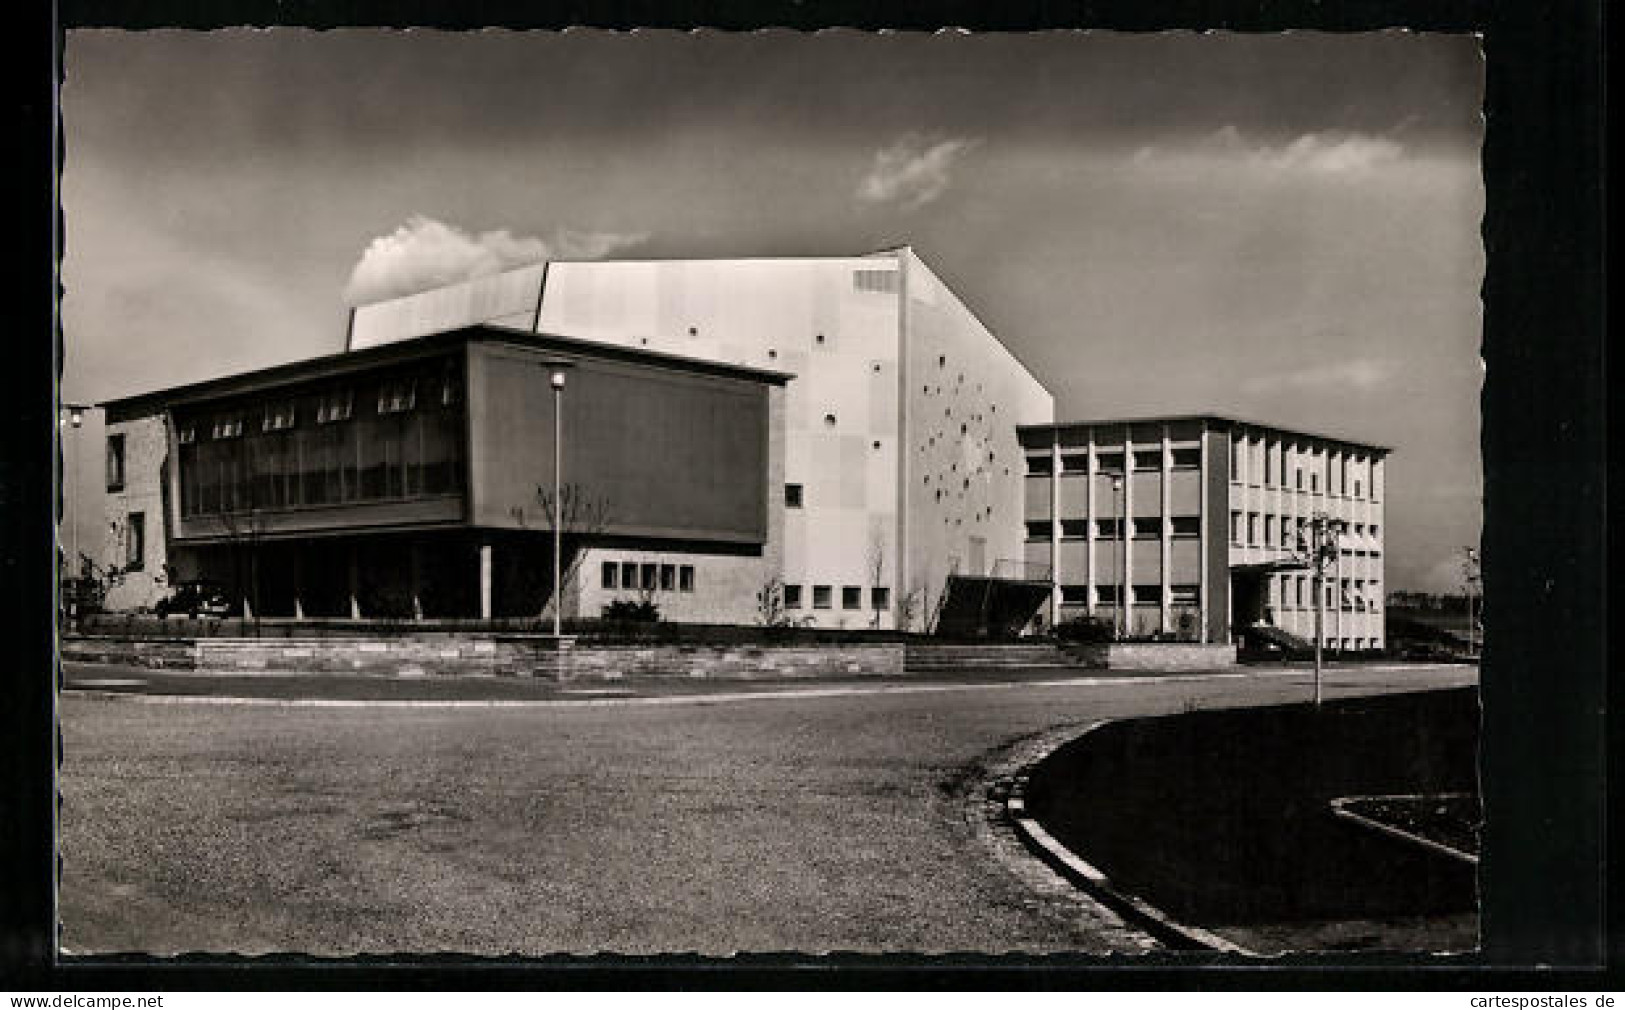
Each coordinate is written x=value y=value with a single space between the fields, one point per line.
x=1320 y=550
x=1119 y=620
x=75 y=420
x=556 y=370
x=1470 y=582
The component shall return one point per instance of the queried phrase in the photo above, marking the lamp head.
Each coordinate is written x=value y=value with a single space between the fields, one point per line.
x=76 y=416
x=558 y=378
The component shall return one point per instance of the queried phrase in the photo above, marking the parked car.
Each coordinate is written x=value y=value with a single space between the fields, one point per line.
x=198 y=598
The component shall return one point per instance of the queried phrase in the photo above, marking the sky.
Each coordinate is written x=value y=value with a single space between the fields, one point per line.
x=1280 y=227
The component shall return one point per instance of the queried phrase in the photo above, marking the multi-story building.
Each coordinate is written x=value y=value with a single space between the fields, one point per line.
x=901 y=459
x=413 y=480
x=1195 y=527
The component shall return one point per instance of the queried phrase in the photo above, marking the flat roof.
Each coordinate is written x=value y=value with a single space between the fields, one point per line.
x=344 y=362
x=1218 y=420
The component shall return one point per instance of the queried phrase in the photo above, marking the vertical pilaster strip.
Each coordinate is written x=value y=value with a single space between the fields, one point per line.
x=1055 y=527
x=1165 y=525
x=1202 y=510
x=1126 y=534
x=485 y=580
x=1091 y=471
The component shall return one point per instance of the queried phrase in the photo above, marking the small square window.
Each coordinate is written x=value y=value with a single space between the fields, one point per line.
x=822 y=597
x=879 y=598
x=629 y=575
x=611 y=575
x=668 y=577
x=792 y=597
x=851 y=598
x=792 y=496
x=685 y=578
x=648 y=575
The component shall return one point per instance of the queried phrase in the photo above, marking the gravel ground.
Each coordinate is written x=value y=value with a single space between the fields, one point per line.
x=802 y=824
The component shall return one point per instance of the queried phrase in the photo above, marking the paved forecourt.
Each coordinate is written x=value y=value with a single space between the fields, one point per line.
x=801 y=819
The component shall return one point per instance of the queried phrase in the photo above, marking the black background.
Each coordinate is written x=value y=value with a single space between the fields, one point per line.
x=1544 y=682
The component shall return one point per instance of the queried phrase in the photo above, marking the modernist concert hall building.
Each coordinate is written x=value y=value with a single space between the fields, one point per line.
x=843 y=426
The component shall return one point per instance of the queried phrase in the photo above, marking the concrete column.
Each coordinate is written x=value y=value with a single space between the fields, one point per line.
x=486 y=551
x=417 y=581
x=298 y=583
x=1167 y=535
x=355 y=584
x=1126 y=588
x=1054 y=528
x=1091 y=511
x=1202 y=593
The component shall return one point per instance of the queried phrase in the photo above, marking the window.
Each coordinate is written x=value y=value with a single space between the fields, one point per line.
x=792 y=496
x=879 y=598
x=851 y=598
x=1148 y=529
x=611 y=575
x=1298 y=479
x=1185 y=595
x=792 y=597
x=1107 y=529
x=335 y=405
x=135 y=548
x=1187 y=526
x=1269 y=530
x=1357 y=488
x=1039 y=529
x=1252 y=528
x=629 y=575
x=227 y=426
x=1074 y=529
x=1314 y=482
x=115 y=462
x=1148 y=459
x=685 y=579
x=1075 y=463
x=451 y=389
x=1187 y=459
x=1109 y=463
x=1376 y=533
x=278 y=416
x=1040 y=465
x=1147 y=594
x=648 y=572
x=397 y=396
x=188 y=433
x=668 y=578
x=1075 y=595
x=1235 y=527
x=821 y=597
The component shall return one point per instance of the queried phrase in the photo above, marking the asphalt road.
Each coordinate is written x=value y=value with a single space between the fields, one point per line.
x=711 y=824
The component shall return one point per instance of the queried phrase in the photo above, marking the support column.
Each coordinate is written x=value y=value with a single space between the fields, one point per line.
x=355 y=584
x=417 y=580
x=298 y=582
x=1202 y=511
x=1054 y=529
x=1167 y=533
x=486 y=552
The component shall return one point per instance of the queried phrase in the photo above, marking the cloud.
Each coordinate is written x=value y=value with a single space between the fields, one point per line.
x=1323 y=154
x=912 y=172
x=424 y=253
x=1354 y=373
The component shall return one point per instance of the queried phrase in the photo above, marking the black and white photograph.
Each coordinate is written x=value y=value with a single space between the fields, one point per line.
x=538 y=493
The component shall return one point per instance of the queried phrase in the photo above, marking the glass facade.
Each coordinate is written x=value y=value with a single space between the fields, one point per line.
x=385 y=436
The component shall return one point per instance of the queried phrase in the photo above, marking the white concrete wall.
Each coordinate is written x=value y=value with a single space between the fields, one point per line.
x=812 y=318
x=505 y=299
x=963 y=469
x=146 y=447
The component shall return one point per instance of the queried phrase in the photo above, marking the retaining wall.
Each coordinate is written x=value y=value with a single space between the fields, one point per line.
x=1158 y=657
x=501 y=655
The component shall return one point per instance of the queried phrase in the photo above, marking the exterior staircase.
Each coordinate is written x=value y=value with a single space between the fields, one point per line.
x=920 y=657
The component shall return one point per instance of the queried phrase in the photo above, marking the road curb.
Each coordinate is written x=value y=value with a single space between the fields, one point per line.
x=1083 y=875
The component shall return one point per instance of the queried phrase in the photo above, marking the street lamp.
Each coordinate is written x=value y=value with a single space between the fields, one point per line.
x=1470 y=581
x=75 y=420
x=557 y=369
x=1320 y=550
x=1119 y=620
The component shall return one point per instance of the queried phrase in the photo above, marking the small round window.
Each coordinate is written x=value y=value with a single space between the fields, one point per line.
x=829 y=420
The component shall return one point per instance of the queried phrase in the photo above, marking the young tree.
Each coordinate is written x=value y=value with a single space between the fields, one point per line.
x=875 y=562
x=579 y=516
x=770 y=604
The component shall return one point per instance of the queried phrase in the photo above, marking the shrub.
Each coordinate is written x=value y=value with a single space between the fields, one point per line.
x=1084 y=628
x=639 y=611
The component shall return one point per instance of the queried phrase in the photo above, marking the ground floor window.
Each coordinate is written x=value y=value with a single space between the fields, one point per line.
x=685 y=578
x=879 y=598
x=822 y=597
x=611 y=575
x=668 y=578
x=135 y=548
x=792 y=597
x=851 y=597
